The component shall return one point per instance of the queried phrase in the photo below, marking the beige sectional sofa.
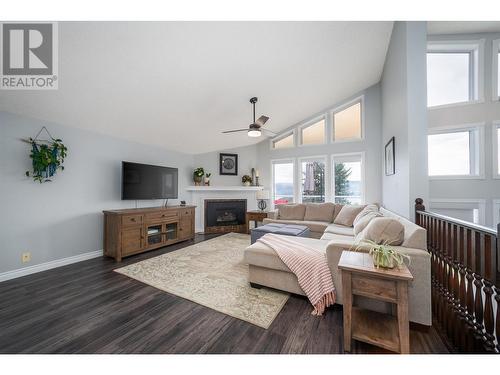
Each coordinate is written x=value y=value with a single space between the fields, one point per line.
x=266 y=268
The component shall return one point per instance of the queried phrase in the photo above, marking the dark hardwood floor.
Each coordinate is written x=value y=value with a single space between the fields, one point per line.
x=87 y=308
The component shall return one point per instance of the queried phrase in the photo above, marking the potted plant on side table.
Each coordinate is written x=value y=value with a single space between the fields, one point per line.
x=383 y=255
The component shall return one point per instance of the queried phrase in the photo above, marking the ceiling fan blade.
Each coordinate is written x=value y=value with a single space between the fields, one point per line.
x=262 y=120
x=234 y=131
x=269 y=132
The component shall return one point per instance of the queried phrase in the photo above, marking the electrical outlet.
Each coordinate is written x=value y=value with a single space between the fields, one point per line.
x=26 y=257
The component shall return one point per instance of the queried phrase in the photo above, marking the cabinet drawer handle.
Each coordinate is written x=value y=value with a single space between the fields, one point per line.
x=132 y=219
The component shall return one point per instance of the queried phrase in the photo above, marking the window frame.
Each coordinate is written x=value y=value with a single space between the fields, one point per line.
x=282 y=136
x=496 y=214
x=476 y=150
x=294 y=168
x=333 y=157
x=309 y=123
x=323 y=158
x=350 y=103
x=495 y=96
x=476 y=69
x=496 y=149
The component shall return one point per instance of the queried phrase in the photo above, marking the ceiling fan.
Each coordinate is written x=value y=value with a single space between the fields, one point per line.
x=254 y=129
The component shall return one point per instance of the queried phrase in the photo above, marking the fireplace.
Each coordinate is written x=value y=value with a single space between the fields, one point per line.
x=225 y=215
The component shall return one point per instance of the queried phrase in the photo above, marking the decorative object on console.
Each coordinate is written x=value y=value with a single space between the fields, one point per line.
x=47 y=156
x=390 y=158
x=262 y=196
x=198 y=176
x=207 y=179
x=228 y=164
x=247 y=180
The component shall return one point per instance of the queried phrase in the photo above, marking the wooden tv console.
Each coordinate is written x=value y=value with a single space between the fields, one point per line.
x=133 y=231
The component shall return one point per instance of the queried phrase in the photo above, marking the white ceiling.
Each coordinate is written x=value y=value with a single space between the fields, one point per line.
x=462 y=27
x=178 y=85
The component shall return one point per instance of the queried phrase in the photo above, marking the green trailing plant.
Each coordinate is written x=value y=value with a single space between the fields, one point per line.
x=46 y=158
x=384 y=255
x=246 y=179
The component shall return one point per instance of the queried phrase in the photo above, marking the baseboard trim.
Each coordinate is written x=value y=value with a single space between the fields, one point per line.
x=14 y=274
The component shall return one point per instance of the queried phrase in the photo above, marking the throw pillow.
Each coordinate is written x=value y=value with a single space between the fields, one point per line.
x=367 y=210
x=291 y=211
x=364 y=221
x=319 y=212
x=347 y=215
x=383 y=230
x=338 y=207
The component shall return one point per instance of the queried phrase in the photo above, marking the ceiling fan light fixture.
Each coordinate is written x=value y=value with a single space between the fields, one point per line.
x=254 y=133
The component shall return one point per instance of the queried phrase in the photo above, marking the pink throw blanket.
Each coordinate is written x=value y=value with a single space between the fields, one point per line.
x=309 y=265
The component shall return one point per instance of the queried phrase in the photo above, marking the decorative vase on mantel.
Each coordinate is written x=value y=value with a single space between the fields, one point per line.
x=198 y=176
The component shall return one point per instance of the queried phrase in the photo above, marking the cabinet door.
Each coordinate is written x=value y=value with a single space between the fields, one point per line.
x=186 y=227
x=132 y=240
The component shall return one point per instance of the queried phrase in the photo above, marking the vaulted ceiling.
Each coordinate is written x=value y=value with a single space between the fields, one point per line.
x=179 y=84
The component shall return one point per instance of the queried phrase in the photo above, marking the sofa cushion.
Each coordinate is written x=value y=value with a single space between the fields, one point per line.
x=363 y=222
x=319 y=212
x=336 y=237
x=383 y=230
x=415 y=236
x=291 y=211
x=262 y=255
x=369 y=209
x=340 y=229
x=347 y=214
x=338 y=207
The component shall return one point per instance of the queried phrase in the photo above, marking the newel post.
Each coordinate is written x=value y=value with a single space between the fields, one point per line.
x=419 y=206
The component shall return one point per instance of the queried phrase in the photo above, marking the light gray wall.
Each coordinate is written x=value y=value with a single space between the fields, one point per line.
x=404 y=116
x=485 y=112
x=370 y=145
x=64 y=218
x=247 y=159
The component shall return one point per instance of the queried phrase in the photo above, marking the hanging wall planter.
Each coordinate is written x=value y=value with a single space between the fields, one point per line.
x=47 y=157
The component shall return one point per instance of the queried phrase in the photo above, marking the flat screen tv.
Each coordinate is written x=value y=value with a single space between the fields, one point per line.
x=143 y=181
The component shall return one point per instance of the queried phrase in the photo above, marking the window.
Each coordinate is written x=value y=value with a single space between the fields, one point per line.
x=496 y=148
x=284 y=141
x=347 y=123
x=453 y=73
x=313 y=134
x=312 y=180
x=496 y=70
x=455 y=153
x=348 y=178
x=283 y=181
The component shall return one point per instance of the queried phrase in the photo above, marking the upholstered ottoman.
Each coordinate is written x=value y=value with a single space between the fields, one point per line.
x=285 y=229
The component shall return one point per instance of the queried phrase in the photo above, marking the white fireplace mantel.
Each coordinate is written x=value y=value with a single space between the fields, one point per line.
x=201 y=193
x=224 y=188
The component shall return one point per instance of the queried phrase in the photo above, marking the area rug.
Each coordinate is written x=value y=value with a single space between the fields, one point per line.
x=211 y=273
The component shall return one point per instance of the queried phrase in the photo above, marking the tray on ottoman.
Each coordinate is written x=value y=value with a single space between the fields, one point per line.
x=285 y=229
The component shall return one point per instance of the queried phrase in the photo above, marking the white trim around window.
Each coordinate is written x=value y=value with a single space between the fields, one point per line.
x=476 y=150
x=350 y=103
x=323 y=158
x=281 y=136
x=494 y=82
x=351 y=156
x=457 y=204
x=284 y=161
x=496 y=148
x=308 y=124
x=476 y=74
x=496 y=213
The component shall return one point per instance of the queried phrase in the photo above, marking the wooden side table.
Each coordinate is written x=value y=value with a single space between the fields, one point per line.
x=360 y=277
x=255 y=216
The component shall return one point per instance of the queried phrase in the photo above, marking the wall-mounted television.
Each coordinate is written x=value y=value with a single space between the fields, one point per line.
x=143 y=181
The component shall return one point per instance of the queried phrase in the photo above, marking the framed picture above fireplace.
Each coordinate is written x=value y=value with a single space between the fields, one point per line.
x=228 y=164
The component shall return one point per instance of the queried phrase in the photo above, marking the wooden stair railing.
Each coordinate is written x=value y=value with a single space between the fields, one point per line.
x=465 y=283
